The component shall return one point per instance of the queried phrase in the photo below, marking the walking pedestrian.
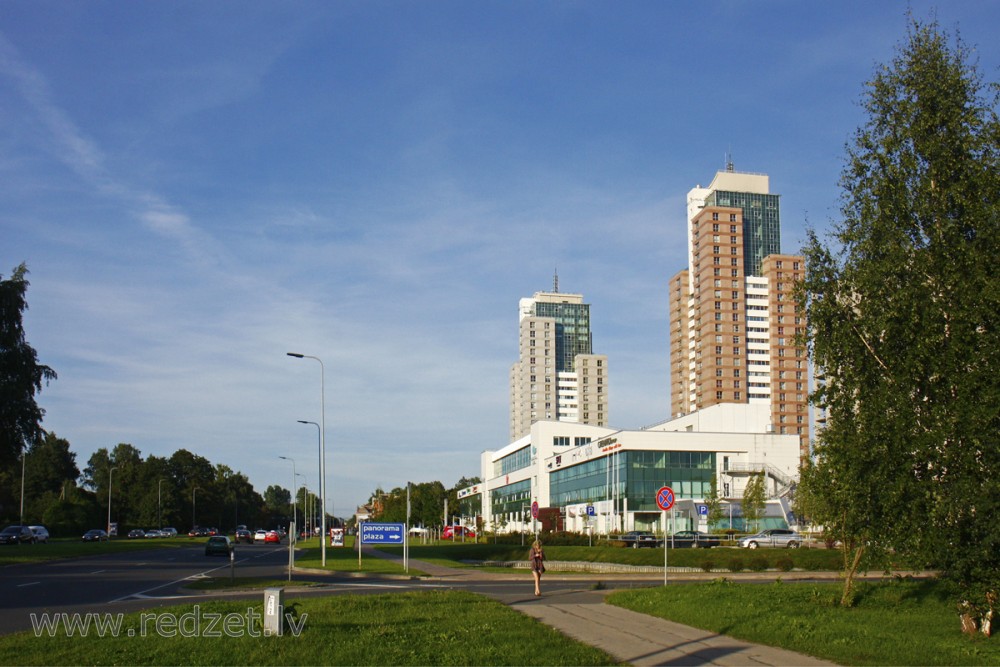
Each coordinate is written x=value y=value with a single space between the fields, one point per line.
x=537 y=558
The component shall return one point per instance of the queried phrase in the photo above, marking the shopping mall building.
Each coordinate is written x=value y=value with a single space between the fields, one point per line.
x=604 y=480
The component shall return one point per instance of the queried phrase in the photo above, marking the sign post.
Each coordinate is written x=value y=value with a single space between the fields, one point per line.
x=534 y=517
x=665 y=500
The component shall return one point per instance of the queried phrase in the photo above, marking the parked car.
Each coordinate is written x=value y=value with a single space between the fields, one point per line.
x=774 y=537
x=41 y=533
x=16 y=535
x=637 y=539
x=272 y=536
x=260 y=535
x=95 y=535
x=692 y=539
x=243 y=535
x=198 y=531
x=153 y=532
x=136 y=533
x=169 y=532
x=457 y=531
x=218 y=545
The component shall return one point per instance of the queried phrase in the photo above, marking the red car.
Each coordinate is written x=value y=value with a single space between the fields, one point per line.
x=272 y=536
x=457 y=532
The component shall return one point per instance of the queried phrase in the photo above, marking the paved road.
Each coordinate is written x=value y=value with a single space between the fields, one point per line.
x=120 y=582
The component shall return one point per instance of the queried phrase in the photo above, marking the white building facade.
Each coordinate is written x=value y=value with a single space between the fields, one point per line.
x=605 y=480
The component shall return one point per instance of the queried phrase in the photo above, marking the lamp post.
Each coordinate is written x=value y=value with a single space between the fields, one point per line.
x=159 y=499
x=289 y=458
x=194 y=507
x=319 y=451
x=24 y=453
x=111 y=472
x=322 y=449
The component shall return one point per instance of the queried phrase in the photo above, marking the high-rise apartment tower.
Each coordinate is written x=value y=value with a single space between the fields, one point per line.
x=557 y=376
x=733 y=321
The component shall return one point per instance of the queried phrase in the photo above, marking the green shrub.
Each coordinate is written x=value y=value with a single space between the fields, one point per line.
x=757 y=563
x=785 y=564
x=735 y=564
x=707 y=564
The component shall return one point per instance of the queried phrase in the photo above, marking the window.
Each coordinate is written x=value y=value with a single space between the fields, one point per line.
x=732 y=217
x=560 y=441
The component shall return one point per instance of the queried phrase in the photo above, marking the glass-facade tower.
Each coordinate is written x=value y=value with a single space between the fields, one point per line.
x=572 y=331
x=761 y=225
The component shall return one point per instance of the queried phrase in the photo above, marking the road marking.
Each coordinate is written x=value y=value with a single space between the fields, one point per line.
x=98 y=571
x=32 y=583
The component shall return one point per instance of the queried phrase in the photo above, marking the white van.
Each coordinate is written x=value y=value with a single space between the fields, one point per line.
x=40 y=532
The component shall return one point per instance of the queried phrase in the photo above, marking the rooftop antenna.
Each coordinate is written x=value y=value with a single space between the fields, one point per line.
x=729 y=160
x=555 y=281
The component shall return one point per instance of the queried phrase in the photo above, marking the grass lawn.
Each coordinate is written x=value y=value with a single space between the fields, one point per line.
x=421 y=628
x=242 y=583
x=720 y=558
x=345 y=559
x=76 y=548
x=895 y=622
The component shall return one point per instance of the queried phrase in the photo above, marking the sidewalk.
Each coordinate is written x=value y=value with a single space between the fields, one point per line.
x=629 y=636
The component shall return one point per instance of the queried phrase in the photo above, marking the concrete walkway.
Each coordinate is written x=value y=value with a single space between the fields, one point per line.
x=629 y=636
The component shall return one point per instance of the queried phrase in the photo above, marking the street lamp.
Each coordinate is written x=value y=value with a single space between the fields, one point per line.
x=319 y=452
x=110 y=477
x=289 y=458
x=322 y=448
x=159 y=498
x=24 y=453
x=194 y=507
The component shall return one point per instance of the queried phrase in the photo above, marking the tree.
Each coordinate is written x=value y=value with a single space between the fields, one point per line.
x=21 y=376
x=49 y=465
x=714 y=505
x=754 y=500
x=904 y=314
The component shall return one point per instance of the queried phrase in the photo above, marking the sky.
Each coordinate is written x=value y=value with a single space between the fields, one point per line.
x=199 y=188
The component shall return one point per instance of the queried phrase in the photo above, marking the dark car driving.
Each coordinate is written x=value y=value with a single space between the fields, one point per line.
x=637 y=539
x=95 y=535
x=16 y=535
x=218 y=545
x=692 y=539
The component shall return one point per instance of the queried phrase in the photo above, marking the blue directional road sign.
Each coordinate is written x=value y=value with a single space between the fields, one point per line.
x=382 y=533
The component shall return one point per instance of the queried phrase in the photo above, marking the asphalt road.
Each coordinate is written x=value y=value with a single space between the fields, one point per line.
x=122 y=581
x=134 y=581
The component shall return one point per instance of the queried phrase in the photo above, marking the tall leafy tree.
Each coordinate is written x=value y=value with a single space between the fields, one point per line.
x=754 y=501
x=904 y=312
x=21 y=376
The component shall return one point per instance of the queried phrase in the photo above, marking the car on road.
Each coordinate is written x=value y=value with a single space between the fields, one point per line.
x=243 y=535
x=153 y=532
x=773 y=537
x=692 y=539
x=16 y=535
x=198 y=531
x=41 y=533
x=260 y=535
x=637 y=539
x=169 y=532
x=218 y=545
x=95 y=535
x=272 y=536
x=136 y=533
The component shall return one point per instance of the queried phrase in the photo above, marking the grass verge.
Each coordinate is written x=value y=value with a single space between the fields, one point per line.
x=70 y=548
x=243 y=583
x=893 y=622
x=419 y=628
x=719 y=558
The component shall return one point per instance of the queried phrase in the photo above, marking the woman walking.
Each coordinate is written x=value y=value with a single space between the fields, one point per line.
x=537 y=558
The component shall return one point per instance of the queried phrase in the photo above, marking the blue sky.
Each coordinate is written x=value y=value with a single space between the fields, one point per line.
x=198 y=188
